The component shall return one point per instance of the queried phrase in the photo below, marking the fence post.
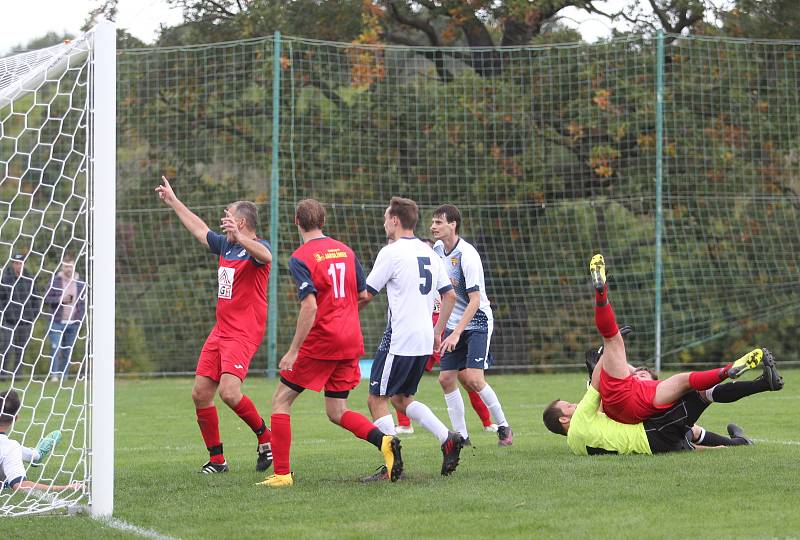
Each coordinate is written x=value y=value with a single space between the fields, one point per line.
x=274 y=209
x=659 y=179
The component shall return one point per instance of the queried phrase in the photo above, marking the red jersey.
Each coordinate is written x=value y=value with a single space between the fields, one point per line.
x=330 y=270
x=242 y=291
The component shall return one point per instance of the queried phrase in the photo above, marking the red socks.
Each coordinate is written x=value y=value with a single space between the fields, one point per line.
x=357 y=424
x=208 y=420
x=480 y=408
x=247 y=411
x=281 y=442
x=604 y=316
x=703 y=380
x=403 y=420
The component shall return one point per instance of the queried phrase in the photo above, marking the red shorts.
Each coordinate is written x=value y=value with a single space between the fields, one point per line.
x=332 y=375
x=629 y=400
x=225 y=355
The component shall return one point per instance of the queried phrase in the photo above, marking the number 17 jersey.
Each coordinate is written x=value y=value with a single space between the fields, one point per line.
x=413 y=276
x=330 y=270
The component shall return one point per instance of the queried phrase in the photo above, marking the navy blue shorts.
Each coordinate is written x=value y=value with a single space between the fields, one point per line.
x=472 y=351
x=392 y=375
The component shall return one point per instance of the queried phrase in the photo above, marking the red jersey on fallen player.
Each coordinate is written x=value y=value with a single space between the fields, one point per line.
x=330 y=270
x=242 y=290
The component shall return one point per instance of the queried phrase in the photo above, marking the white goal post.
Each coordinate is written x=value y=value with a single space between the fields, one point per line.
x=57 y=248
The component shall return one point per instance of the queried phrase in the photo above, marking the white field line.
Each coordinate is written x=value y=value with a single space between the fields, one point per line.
x=768 y=441
x=124 y=526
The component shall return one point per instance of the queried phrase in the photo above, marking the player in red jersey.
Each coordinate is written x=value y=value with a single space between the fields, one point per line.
x=627 y=398
x=243 y=273
x=327 y=344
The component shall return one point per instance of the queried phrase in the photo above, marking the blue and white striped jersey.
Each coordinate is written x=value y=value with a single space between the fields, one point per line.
x=465 y=269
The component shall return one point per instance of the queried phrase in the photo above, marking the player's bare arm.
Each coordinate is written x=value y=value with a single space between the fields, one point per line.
x=448 y=300
x=190 y=220
x=246 y=239
x=364 y=298
x=28 y=485
x=305 y=320
x=472 y=308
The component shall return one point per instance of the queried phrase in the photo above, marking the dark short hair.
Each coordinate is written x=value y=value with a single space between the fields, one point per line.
x=310 y=214
x=248 y=211
x=405 y=210
x=552 y=415
x=451 y=214
x=429 y=241
x=9 y=405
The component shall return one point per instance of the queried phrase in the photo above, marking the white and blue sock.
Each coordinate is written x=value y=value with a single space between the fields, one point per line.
x=493 y=404
x=455 y=409
x=421 y=414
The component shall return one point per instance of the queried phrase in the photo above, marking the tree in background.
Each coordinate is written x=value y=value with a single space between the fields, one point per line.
x=768 y=19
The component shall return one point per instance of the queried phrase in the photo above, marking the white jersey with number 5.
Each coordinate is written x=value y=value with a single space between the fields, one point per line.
x=465 y=268
x=413 y=276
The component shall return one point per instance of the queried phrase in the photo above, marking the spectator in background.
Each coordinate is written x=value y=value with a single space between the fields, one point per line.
x=66 y=300
x=19 y=303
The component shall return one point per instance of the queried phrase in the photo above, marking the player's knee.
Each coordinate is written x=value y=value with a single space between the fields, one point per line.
x=201 y=397
x=473 y=382
x=447 y=381
x=334 y=416
x=230 y=395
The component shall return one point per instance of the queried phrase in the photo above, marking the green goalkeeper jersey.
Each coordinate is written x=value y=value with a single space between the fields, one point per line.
x=592 y=432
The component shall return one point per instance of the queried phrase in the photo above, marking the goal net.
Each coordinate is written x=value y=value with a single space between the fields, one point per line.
x=56 y=250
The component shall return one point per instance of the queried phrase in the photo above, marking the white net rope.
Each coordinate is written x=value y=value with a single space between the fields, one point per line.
x=44 y=120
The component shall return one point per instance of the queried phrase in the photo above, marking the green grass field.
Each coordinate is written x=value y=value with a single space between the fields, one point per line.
x=534 y=489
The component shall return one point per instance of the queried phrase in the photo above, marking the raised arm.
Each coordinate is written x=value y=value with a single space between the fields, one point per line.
x=193 y=224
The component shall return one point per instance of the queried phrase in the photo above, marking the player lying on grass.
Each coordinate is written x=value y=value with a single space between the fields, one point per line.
x=589 y=431
x=629 y=399
x=645 y=416
x=700 y=436
x=12 y=454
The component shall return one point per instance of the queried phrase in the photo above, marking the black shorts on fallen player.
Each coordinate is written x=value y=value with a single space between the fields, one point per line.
x=671 y=431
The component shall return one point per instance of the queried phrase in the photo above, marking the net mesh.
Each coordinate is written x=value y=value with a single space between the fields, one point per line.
x=44 y=116
x=550 y=152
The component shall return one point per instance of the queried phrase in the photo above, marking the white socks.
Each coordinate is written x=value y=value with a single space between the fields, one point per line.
x=493 y=404
x=386 y=424
x=421 y=414
x=455 y=409
x=30 y=454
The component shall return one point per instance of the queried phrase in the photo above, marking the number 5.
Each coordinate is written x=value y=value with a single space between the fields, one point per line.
x=425 y=273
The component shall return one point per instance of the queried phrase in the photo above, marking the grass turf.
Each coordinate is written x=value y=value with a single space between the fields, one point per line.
x=535 y=488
